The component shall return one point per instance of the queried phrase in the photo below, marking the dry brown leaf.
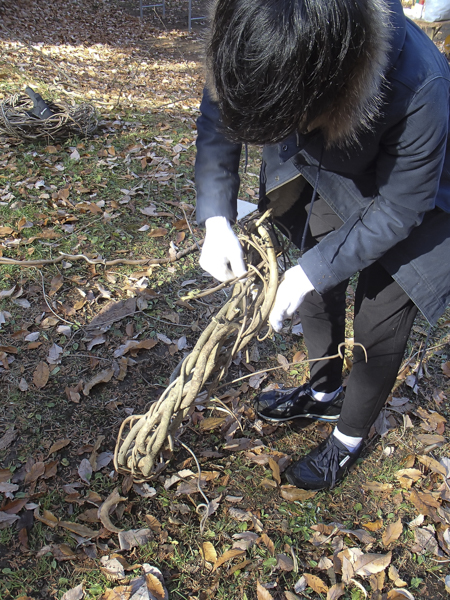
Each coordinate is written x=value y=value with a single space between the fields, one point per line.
x=209 y=552
x=274 y=467
x=432 y=464
x=428 y=438
x=58 y=445
x=229 y=555
x=290 y=595
x=47 y=518
x=407 y=477
x=399 y=595
x=375 y=486
x=79 y=529
x=316 y=583
x=181 y=224
x=158 y=232
x=285 y=563
x=153 y=523
x=51 y=469
x=103 y=511
x=268 y=543
x=283 y=361
x=56 y=284
x=392 y=533
x=41 y=375
x=292 y=493
x=262 y=593
x=395 y=577
x=211 y=423
x=102 y=377
x=4 y=231
x=35 y=472
x=367 y=564
x=373 y=525
x=336 y=591
x=298 y=357
x=134 y=345
x=121 y=592
x=154 y=586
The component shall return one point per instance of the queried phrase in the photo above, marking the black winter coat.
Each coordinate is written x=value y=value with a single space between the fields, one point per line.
x=392 y=190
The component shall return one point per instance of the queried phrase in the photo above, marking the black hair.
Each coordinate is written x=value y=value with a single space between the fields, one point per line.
x=276 y=66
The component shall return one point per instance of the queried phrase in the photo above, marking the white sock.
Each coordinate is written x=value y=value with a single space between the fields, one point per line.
x=351 y=443
x=325 y=397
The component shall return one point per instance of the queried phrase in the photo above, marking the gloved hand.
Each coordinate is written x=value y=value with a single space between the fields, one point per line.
x=291 y=293
x=222 y=255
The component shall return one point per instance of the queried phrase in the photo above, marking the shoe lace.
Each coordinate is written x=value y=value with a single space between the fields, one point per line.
x=328 y=462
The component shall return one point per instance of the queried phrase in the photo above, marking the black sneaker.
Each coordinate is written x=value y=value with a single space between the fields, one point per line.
x=324 y=466
x=292 y=403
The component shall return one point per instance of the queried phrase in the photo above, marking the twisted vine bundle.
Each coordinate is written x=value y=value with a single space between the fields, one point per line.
x=142 y=438
x=17 y=122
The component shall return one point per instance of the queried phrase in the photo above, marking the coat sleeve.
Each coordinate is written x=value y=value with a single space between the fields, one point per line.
x=408 y=170
x=216 y=166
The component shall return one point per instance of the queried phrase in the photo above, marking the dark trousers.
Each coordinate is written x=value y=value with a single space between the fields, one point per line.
x=383 y=317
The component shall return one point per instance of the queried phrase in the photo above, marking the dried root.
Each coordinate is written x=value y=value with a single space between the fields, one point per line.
x=142 y=438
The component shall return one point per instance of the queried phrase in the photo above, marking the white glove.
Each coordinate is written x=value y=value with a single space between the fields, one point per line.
x=291 y=293
x=222 y=255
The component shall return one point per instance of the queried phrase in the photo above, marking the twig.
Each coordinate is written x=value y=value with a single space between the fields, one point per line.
x=106 y=263
x=292 y=364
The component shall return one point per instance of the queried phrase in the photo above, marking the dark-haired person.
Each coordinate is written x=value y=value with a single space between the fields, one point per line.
x=351 y=102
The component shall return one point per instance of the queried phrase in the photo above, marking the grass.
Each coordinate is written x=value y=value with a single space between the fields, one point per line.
x=108 y=187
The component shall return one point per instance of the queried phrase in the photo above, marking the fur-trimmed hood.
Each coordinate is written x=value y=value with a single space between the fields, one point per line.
x=360 y=102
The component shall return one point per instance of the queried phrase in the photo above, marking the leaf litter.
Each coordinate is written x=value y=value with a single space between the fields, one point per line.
x=74 y=335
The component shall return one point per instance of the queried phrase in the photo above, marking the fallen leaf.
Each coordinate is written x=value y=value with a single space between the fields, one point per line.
x=48 y=518
x=75 y=593
x=35 y=472
x=275 y=470
x=285 y=563
x=102 y=377
x=268 y=543
x=392 y=533
x=407 y=477
x=283 y=361
x=374 y=525
x=229 y=555
x=41 y=375
x=292 y=493
x=6 y=519
x=158 y=232
x=154 y=586
x=85 y=471
x=55 y=285
x=134 y=537
x=211 y=423
x=103 y=511
x=336 y=591
x=58 y=445
x=153 y=523
x=133 y=346
x=78 y=529
x=367 y=564
x=425 y=541
x=394 y=576
x=375 y=486
x=7 y=439
x=262 y=593
x=432 y=464
x=316 y=583
x=399 y=595
x=208 y=552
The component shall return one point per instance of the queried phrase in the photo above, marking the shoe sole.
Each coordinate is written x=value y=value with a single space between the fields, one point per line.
x=331 y=419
